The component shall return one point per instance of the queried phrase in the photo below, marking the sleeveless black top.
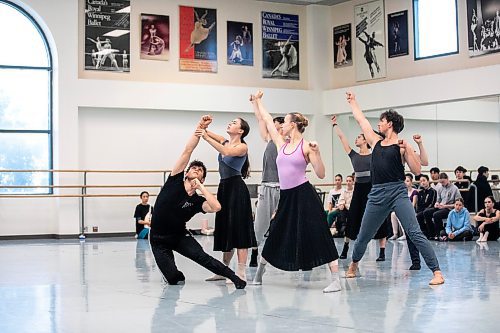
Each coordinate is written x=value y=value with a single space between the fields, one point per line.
x=387 y=165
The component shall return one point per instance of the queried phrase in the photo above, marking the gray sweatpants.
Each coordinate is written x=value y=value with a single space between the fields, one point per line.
x=383 y=199
x=269 y=196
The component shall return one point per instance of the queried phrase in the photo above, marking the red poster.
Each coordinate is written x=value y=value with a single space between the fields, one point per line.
x=198 y=39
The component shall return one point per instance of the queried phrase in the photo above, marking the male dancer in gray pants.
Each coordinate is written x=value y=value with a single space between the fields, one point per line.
x=388 y=191
x=269 y=190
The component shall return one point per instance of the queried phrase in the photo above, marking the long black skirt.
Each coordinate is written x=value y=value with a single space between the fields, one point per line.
x=234 y=222
x=299 y=238
x=356 y=211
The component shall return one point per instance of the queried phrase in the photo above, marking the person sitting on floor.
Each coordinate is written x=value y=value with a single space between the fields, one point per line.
x=332 y=199
x=458 y=224
x=343 y=207
x=142 y=215
x=487 y=219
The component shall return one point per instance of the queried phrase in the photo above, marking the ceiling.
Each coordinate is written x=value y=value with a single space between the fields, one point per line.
x=308 y=2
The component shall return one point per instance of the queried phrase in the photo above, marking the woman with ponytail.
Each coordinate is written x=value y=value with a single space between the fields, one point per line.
x=233 y=223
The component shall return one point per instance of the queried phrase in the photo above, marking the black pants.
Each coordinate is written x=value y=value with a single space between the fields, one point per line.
x=464 y=236
x=434 y=219
x=186 y=245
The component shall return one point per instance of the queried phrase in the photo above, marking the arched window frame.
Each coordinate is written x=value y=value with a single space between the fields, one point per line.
x=49 y=69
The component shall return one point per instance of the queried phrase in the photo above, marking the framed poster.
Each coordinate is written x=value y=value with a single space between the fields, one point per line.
x=239 y=43
x=280 y=46
x=155 y=37
x=107 y=36
x=483 y=26
x=198 y=39
x=370 y=41
x=397 y=34
x=342 y=50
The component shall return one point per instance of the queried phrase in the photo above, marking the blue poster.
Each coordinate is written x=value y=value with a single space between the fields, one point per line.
x=280 y=46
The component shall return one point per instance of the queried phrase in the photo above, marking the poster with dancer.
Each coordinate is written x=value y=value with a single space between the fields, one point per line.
x=483 y=26
x=397 y=34
x=342 y=50
x=280 y=46
x=239 y=43
x=155 y=37
x=198 y=39
x=107 y=35
x=370 y=41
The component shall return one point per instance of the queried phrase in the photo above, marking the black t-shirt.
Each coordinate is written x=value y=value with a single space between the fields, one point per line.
x=174 y=207
x=140 y=213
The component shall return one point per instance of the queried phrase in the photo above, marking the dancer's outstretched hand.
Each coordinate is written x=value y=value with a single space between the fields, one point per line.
x=252 y=98
x=259 y=94
x=314 y=146
x=417 y=138
x=334 y=119
x=403 y=144
x=350 y=97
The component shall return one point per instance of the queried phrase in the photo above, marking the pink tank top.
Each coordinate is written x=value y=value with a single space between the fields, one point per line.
x=291 y=167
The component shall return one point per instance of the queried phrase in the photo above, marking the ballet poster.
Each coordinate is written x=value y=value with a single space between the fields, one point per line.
x=483 y=26
x=370 y=41
x=239 y=43
x=397 y=34
x=342 y=50
x=107 y=35
x=155 y=37
x=280 y=46
x=198 y=39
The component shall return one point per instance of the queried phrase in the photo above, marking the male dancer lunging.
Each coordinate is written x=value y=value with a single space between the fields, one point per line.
x=175 y=205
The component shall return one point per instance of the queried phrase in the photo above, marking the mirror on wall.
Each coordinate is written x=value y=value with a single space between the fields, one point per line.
x=454 y=133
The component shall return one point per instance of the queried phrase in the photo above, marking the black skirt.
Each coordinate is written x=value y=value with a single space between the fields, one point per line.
x=356 y=211
x=234 y=223
x=299 y=237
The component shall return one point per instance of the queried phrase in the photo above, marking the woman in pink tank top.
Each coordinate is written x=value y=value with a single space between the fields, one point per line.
x=299 y=238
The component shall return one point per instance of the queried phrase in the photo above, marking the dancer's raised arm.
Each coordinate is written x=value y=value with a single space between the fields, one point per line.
x=424 y=158
x=341 y=135
x=411 y=158
x=268 y=119
x=264 y=134
x=183 y=160
x=316 y=160
x=370 y=136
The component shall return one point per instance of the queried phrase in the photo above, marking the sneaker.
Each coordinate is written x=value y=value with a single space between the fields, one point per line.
x=380 y=258
x=414 y=267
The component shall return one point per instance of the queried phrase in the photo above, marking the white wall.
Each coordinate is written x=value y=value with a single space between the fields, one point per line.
x=97 y=115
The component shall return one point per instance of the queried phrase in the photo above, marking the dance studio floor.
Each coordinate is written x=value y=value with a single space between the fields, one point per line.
x=113 y=285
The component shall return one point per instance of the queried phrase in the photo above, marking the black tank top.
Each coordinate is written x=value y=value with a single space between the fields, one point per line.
x=387 y=165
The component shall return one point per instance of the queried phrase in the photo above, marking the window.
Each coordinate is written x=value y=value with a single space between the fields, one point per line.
x=25 y=102
x=435 y=24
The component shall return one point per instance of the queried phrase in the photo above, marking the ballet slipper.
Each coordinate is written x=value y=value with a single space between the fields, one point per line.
x=334 y=285
x=437 y=279
x=351 y=272
x=257 y=280
x=215 y=278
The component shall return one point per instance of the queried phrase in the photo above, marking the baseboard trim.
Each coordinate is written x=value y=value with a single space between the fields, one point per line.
x=70 y=236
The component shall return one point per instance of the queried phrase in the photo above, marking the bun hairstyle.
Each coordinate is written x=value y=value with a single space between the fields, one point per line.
x=299 y=120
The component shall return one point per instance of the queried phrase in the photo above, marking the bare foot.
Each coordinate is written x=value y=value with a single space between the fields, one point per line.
x=351 y=272
x=437 y=279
